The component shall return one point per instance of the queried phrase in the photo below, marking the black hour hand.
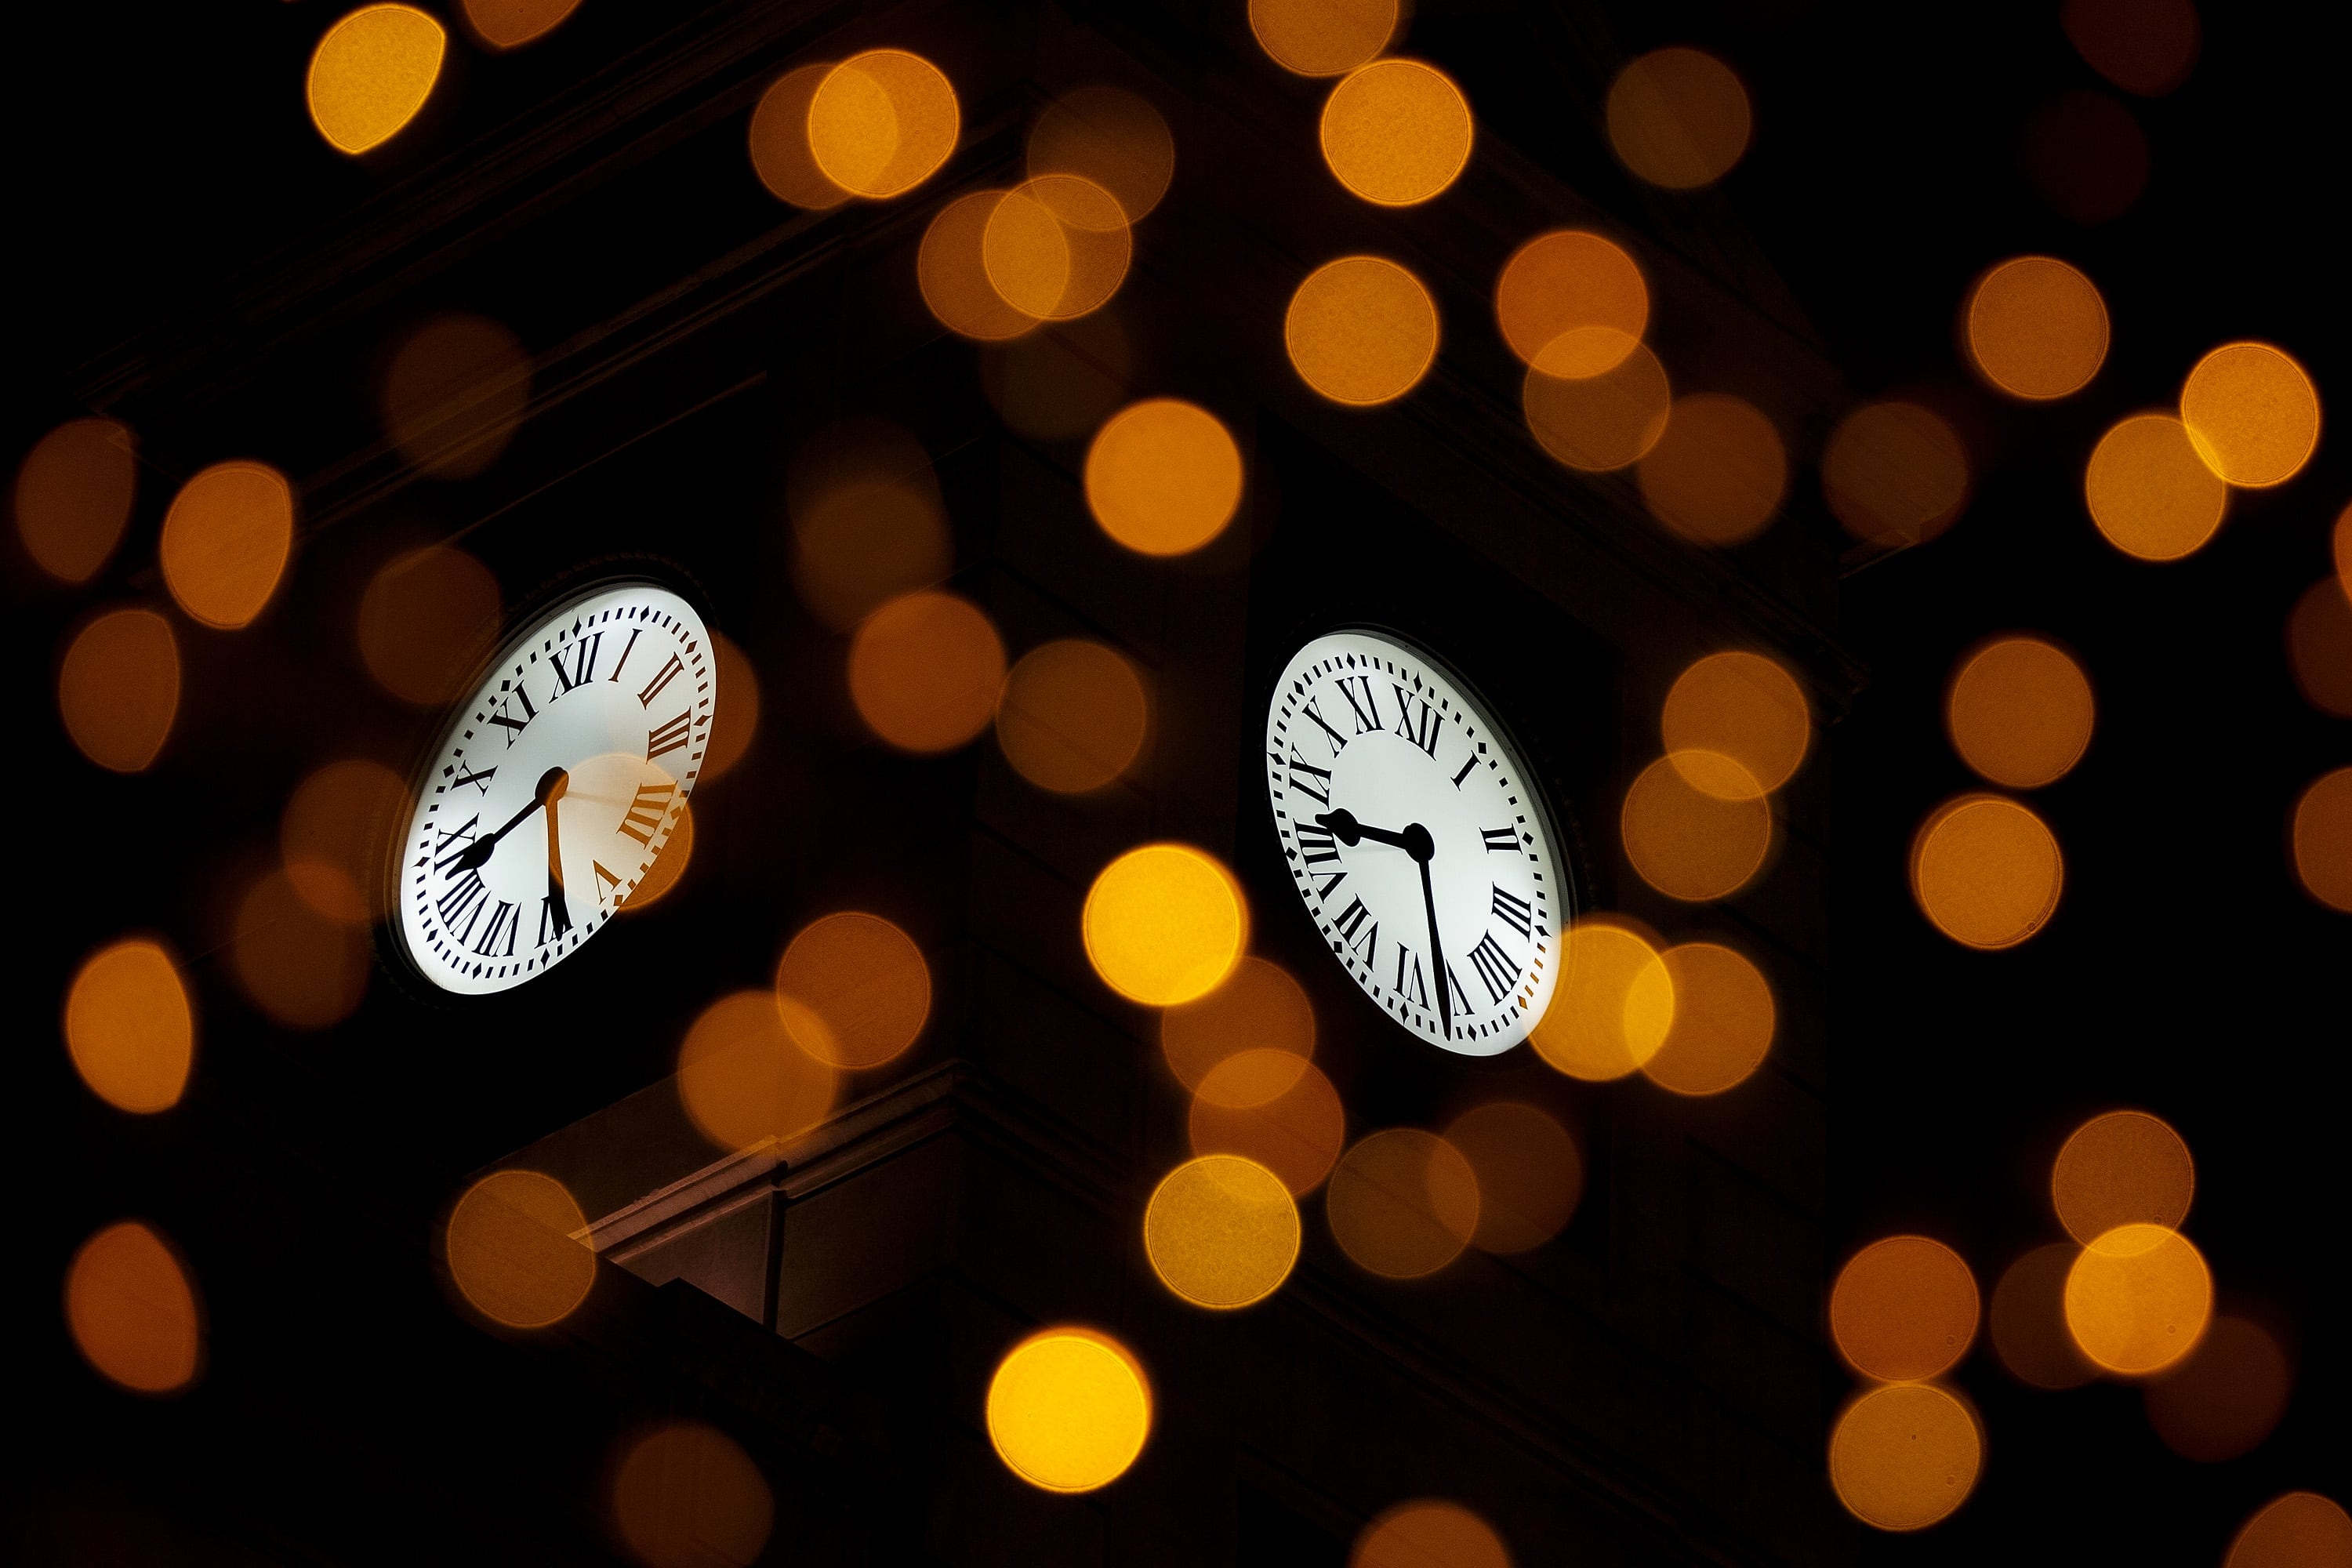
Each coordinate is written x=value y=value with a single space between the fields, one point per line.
x=1415 y=840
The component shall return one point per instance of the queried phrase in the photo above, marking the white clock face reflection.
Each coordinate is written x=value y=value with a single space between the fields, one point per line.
x=1418 y=843
x=554 y=786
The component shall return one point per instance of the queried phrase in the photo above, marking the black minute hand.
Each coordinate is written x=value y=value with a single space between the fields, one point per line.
x=478 y=854
x=1417 y=842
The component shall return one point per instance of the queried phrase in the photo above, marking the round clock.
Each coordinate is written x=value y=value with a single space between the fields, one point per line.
x=554 y=786
x=1422 y=849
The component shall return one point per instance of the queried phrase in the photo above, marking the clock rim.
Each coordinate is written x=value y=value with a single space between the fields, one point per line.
x=1552 y=814
x=520 y=626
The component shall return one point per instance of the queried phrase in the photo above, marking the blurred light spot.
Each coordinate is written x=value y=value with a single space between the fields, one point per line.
x=132 y=1309
x=1361 y=330
x=456 y=388
x=1719 y=472
x=1163 y=477
x=1529 y=1174
x=336 y=838
x=2150 y=492
x=516 y=1250
x=1905 y=1456
x=1678 y=117
x=1742 y=706
x=2028 y=1321
x=1221 y=1231
x=952 y=274
x=119 y=688
x=687 y=1496
x=1111 y=137
x=2252 y=413
x=1322 y=38
x=1396 y=131
x=669 y=865
x=302 y=969
x=2085 y=156
x=1723 y=1022
x=2020 y=712
x=1613 y=1008
x=781 y=155
x=925 y=669
x=1696 y=826
x=74 y=492
x=2137 y=1299
x=2323 y=839
x=1597 y=422
x=866 y=521
x=1258 y=1008
x=129 y=1027
x=1986 y=871
x=1069 y=1409
x=2224 y=1398
x=2037 y=327
x=2146 y=47
x=1429 y=1534
x=2319 y=646
x=1165 y=924
x=426 y=621
x=225 y=540
x=1893 y=474
x=2125 y=1167
x=881 y=122
x=1904 y=1309
x=735 y=719
x=371 y=73
x=854 y=988
x=1056 y=247
x=1061 y=382
x=744 y=1077
x=2299 y=1530
x=510 y=24
x=1273 y=1107
x=1072 y=716
x=1402 y=1202
x=1565 y=280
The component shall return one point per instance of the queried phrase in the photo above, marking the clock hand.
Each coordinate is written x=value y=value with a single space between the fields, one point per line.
x=1415 y=840
x=1437 y=948
x=556 y=902
x=478 y=854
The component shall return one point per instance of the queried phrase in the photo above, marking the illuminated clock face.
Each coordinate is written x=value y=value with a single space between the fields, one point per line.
x=1420 y=845
x=554 y=786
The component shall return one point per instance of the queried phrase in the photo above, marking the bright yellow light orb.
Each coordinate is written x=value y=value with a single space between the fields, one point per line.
x=1986 y=871
x=1069 y=1409
x=371 y=72
x=1222 y=1231
x=1164 y=924
x=882 y=123
x=1163 y=477
x=2137 y=1299
x=1362 y=331
x=1396 y=132
x=2253 y=413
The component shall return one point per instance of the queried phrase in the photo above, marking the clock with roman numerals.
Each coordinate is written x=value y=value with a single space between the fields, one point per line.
x=1421 y=848
x=554 y=786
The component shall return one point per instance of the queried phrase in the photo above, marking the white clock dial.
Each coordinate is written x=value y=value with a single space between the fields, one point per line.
x=1421 y=848
x=554 y=786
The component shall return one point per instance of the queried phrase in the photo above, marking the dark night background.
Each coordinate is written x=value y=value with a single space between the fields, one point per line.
x=160 y=153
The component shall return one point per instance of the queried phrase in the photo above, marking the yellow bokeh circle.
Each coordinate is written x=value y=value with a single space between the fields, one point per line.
x=1163 y=477
x=1069 y=1409
x=2253 y=413
x=1222 y=1231
x=1396 y=132
x=1164 y=924
x=371 y=72
x=1905 y=1456
x=2138 y=1299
